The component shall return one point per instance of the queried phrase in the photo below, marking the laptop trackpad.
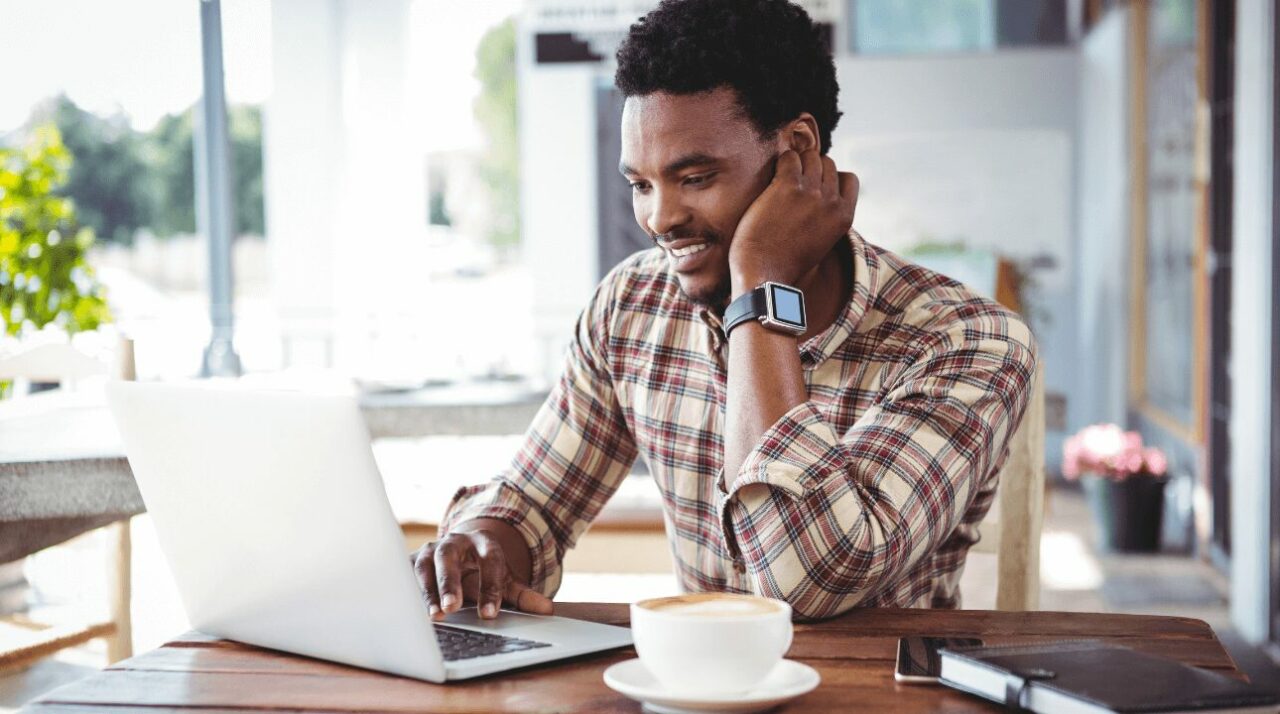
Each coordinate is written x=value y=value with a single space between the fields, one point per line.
x=506 y=620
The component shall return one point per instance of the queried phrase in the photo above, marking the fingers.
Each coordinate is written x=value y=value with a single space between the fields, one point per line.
x=526 y=599
x=811 y=165
x=830 y=177
x=849 y=186
x=424 y=566
x=494 y=575
x=448 y=565
x=788 y=168
x=471 y=566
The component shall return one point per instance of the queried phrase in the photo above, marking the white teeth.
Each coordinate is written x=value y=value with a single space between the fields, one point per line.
x=690 y=250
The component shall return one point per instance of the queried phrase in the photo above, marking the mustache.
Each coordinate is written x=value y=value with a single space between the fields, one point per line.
x=673 y=236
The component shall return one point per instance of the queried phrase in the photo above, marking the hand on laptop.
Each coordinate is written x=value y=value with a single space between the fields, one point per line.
x=484 y=562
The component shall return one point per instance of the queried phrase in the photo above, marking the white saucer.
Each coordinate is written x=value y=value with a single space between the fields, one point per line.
x=787 y=680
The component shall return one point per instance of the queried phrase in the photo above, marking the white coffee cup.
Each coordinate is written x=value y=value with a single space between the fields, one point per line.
x=708 y=644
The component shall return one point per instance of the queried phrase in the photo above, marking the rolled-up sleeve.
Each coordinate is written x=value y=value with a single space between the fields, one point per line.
x=824 y=520
x=575 y=454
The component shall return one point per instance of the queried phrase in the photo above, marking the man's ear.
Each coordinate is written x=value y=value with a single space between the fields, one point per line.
x=800 y=134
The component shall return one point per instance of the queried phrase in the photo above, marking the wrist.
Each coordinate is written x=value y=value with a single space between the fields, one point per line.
x=745 y=279
x=773 y=305
x=482 y=525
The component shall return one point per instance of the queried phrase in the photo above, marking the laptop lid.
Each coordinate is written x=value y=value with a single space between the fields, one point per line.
x=272 y=515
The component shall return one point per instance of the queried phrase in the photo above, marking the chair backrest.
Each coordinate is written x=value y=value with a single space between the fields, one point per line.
x=61 y=362
x=1012 y=528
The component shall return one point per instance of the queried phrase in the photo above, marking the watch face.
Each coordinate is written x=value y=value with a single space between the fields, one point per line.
x=788 y=305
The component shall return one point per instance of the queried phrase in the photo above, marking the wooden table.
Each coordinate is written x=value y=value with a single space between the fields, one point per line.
x=854 y=654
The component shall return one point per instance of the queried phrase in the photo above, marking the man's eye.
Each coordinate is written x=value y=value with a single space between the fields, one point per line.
x=697 y=180
x=640 y=186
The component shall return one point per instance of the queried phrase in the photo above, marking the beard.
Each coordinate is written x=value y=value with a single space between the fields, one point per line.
x=702 y=288
x=715 y=296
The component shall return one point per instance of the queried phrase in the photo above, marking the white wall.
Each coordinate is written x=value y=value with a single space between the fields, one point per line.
x=1009 y=89
x=1253 y=318
x=1103 y=217
x=979 y=147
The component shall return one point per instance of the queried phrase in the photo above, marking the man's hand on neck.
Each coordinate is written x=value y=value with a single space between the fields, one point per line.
x=788 y=235
x=795 y=222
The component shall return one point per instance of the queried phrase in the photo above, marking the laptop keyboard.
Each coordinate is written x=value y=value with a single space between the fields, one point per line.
x=457 y=643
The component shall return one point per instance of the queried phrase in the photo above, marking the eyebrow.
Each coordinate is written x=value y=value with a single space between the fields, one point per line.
x=680 y=164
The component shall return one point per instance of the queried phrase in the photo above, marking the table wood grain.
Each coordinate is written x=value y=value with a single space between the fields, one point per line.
x=854 y=653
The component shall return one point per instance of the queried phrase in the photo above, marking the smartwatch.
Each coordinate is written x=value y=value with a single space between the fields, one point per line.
x=776 y=306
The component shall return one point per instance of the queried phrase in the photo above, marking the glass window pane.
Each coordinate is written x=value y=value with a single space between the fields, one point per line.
x=910 y=26
x=1172 y=188
x=1031 y=22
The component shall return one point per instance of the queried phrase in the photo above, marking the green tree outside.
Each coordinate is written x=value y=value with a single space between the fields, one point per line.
x=123 y=180
x=495 y=110
x=170 y=161
x=244 y=124
x=170 y=176
x=105 y=180
x=44 y=276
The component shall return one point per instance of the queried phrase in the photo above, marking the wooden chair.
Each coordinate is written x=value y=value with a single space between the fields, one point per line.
x=1011 y=529
x=21 y=640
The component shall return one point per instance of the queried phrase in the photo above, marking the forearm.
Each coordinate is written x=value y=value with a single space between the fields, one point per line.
x=513 y=545
x=807 y=528
x=765 y=382
x=825 y=515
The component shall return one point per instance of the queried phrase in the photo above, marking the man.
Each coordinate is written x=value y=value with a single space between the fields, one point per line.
x=836 y=461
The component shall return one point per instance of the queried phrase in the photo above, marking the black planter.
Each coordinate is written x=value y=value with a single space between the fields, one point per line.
x=1128 y=513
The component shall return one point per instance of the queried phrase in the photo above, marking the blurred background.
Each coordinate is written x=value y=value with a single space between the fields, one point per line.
x=422 y=195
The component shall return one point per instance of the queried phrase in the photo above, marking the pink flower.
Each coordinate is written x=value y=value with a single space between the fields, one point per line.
x=1107 y=450
x=1102 y=441
x=1071 y=458
x=1156 y=463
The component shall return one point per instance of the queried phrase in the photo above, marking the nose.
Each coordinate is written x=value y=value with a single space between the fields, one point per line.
x=665 y=212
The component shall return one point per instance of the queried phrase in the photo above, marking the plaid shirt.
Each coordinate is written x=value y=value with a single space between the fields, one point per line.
x=875 y=485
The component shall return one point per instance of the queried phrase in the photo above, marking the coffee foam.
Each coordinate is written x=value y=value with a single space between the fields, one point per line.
x=711 y=605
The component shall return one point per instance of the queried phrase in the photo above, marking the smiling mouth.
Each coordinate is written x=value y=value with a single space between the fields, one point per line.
x=689 y=250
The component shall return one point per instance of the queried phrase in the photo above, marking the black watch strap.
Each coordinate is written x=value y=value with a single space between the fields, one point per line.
x=747 y=306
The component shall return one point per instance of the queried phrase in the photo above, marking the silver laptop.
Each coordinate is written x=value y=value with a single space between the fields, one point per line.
x=272 y=515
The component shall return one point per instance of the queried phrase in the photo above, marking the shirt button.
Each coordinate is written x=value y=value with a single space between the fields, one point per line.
x=739 y=566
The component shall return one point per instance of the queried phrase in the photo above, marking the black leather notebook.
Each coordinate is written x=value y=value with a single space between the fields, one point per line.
x=1091 y=677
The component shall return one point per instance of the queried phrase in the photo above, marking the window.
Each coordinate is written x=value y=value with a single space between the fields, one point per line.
x=925 y=26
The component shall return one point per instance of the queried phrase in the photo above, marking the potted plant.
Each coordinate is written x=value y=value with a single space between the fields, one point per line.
x=1125 y=484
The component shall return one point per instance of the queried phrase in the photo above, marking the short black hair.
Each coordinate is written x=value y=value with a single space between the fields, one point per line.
x=768 y=51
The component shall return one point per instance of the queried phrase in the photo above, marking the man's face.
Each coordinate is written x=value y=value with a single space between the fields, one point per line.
x=695 y=164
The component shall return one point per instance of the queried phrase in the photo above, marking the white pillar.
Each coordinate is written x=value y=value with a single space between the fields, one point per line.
x=345 y=189
x=382 y=211
x=558 y=196
x=1253 y=319
x=1102 y=203
x=303 y=155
